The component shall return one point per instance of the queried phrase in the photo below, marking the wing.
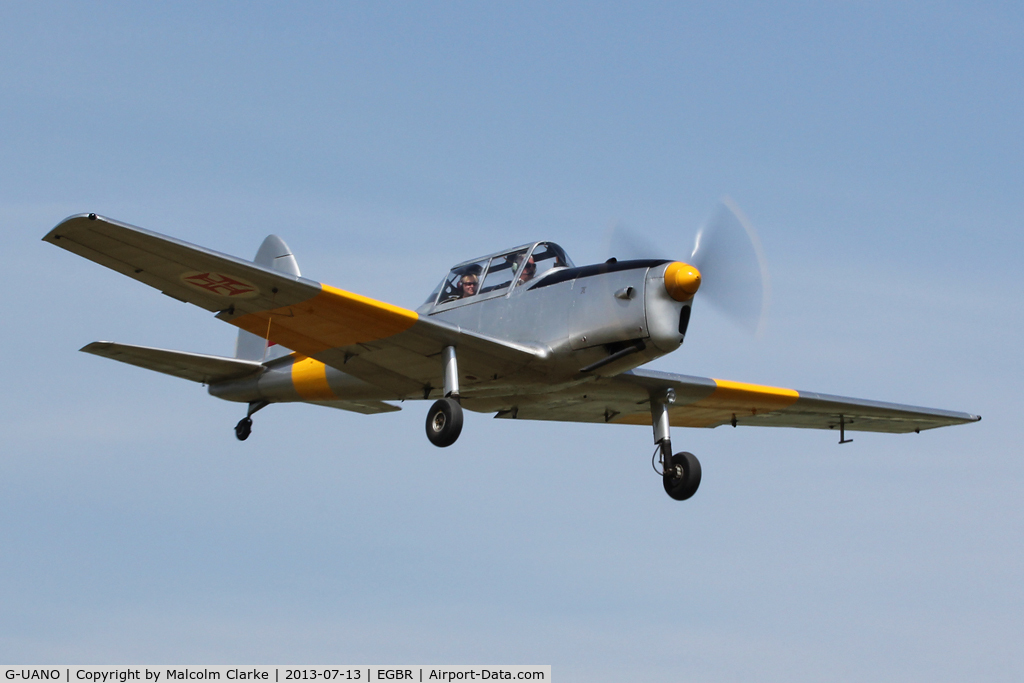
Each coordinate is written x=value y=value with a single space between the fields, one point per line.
x=703 y=402
x=386 y=345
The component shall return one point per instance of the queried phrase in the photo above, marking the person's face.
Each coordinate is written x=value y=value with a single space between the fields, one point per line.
x=469 y=285
x=529 y=270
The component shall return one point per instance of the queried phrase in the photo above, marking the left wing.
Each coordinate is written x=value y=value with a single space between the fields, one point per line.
x=386 y=345
x=704 y=402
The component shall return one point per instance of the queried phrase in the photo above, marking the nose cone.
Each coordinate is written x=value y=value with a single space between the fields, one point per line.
x=682 y=281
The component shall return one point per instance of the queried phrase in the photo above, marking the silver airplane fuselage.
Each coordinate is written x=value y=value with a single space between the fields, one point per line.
x=582 y=315
x=585 y=322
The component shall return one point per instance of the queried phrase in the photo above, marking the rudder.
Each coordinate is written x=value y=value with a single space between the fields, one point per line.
x=276 y=255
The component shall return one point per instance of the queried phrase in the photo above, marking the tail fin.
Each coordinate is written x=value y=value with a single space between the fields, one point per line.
x=275 y=254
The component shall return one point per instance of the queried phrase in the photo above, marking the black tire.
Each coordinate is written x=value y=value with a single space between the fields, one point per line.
x=444 y=422
x=243 y=429
x=683 y=476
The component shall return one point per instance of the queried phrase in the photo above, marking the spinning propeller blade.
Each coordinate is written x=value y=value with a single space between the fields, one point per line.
x=734 y=273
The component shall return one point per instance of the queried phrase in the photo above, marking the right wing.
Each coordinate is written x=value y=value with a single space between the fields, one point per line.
x=386 y=345
x=705 y=402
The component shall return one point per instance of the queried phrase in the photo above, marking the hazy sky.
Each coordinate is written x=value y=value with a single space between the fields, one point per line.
x=877 y=147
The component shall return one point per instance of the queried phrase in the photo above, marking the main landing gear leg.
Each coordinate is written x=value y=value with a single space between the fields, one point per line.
x=244 y=427
x=680 y=472
x=444 y=419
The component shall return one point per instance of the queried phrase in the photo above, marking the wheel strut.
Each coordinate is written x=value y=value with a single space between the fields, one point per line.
x=660 y=422
x=451 y=373
x=680 y=473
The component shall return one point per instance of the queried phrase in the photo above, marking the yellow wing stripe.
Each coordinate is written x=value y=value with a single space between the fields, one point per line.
x=328 y=320
x=727 y=399
x=309 y=377
x=732 y=398
x=756 y=396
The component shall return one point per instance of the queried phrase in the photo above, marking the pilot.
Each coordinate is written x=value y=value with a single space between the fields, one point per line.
x=528 y=270
x=468 y=284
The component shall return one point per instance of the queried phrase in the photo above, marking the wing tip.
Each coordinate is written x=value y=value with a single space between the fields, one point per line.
x=92 y=347
x=54 y=234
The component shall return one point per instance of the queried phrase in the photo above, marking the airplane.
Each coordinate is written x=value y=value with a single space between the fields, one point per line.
x=522 y=333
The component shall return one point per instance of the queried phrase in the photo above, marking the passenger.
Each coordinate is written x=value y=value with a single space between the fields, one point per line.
x=468 y=284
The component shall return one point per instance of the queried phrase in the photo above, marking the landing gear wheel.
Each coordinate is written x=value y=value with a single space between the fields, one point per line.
x=682 y=476
x=243 y=429
x=444 y=422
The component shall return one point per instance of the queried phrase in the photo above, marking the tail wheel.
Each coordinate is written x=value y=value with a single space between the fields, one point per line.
x=243 y=429
x=444 y=422
x=682 y=476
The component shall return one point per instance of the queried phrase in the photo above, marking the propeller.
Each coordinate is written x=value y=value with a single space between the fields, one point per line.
x=734 y=273
x=728 y=255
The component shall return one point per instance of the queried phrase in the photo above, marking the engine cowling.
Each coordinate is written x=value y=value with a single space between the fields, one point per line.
x=669 y=295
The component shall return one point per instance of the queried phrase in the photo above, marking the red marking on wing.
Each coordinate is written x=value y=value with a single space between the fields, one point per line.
x=219 y=284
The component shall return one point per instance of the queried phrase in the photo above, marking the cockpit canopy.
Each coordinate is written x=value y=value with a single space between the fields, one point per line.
x=500 y=273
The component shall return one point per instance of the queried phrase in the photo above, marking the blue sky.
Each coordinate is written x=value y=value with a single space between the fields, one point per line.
x=875 y=146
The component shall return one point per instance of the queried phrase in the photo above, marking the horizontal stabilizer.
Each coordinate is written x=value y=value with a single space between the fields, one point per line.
x=363 y=406
x=195 y=367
